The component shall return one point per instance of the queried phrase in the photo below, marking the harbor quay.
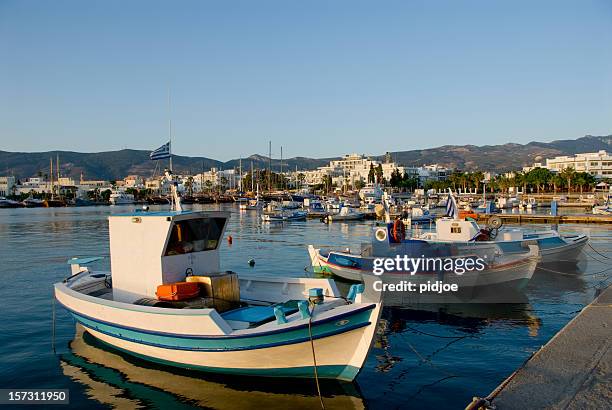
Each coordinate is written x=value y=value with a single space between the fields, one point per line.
x=571 y=371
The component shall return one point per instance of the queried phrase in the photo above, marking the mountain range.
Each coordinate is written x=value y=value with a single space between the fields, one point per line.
x=112 y=165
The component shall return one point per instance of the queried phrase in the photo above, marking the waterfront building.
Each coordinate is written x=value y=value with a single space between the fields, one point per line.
x=351 y=168
x=134 y=181
x=7 y=185
x=598 y=164
x=228 y=178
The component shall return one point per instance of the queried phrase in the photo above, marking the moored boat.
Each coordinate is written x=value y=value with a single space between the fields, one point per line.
x=247 y=325
x=345 y=214
x=121 y=198
x=283 y=215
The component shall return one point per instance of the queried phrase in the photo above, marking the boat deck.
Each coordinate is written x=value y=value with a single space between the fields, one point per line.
x=572 y=371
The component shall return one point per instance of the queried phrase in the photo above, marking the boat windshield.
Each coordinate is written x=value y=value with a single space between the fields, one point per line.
x=195 y=235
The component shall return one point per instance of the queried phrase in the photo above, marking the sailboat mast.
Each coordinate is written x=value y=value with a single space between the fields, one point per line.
x=270 y=166
x=281 y=168
x=51 y=175
x=58 y=176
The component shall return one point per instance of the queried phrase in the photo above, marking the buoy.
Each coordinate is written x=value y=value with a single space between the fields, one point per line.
x=230 y=240
x=251 y=262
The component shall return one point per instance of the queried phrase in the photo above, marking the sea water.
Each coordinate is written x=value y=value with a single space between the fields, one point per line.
x=422 y=358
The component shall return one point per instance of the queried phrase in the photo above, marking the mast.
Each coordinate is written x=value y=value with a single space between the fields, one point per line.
x=240 y=175
x=57 y=165
x=281 y=168
x=51 y=176
x=252 y=177
x=270 y=166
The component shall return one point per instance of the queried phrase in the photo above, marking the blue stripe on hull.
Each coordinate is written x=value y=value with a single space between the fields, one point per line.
x=248 y=335
x=347 y=373
x=177 y=342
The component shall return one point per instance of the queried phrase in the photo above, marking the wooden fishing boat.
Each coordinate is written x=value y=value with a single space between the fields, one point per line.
x=247 y=325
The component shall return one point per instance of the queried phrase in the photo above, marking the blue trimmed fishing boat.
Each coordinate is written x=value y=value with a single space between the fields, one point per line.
x=247 y=325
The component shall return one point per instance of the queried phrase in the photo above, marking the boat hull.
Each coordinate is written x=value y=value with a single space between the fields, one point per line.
x=514 y=275
x=193 y=340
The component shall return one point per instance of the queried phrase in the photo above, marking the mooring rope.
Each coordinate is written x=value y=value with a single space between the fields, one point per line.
x=53 y=324
x=597 y=252
x=314 y=357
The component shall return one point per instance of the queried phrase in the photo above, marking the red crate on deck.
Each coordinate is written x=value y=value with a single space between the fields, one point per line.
x=178 y=291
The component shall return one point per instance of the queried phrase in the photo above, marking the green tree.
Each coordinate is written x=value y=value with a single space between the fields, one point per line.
x=379 y=174
x=568 y=174
x=371 y=174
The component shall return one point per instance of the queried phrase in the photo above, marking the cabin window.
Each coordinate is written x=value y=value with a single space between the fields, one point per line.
x=194 y=235
x=456 y=229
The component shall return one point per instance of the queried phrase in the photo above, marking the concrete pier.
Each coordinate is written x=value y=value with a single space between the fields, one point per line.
x=572 y=371
x=549 y=219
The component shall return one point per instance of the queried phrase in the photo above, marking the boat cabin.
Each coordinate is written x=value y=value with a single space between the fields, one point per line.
x=463 y=230
x=148 y=249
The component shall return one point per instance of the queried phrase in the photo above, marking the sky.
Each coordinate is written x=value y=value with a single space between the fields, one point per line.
x=319 y=78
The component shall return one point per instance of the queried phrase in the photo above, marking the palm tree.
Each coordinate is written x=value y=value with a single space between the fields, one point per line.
x=557 y=181
x=189 y=185
x=568 y=174
x=476 y=178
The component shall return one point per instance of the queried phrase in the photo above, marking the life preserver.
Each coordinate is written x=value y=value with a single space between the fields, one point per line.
x=398 y=233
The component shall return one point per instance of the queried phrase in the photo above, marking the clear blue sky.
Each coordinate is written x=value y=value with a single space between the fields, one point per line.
x=322 y=78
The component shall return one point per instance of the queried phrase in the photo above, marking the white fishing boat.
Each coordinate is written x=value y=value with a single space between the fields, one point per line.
x=507 y=203
x=247 y=325
x=252 y=205
x=468 y=234
x=510 y=271
x=371 y=193
x=291 y=204
x=345 y=214
x=121 y=198
x=9 y=203
x=605 y=209
x=31 y=202
x=284 y=215
x=316 y=209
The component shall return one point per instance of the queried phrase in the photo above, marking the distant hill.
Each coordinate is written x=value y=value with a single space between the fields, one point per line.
x=114 y=165
x=499 y=158
x=110 y=165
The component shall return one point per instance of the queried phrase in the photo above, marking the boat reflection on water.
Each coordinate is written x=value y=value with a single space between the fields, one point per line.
x=122 y=381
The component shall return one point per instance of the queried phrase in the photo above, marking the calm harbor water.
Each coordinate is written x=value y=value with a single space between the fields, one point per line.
x=421 y=358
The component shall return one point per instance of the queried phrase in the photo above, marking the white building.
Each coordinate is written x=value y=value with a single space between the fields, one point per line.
x=229 y=179
x=353 y=167
x=134 y=181
x=599 y=164
x=348 y=170
x=7 y=185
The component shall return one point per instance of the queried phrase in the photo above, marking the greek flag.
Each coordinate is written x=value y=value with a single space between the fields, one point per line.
x=161 y=152
x=451 y=207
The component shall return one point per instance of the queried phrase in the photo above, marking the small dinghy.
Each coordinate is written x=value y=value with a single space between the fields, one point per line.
x=247 y=325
